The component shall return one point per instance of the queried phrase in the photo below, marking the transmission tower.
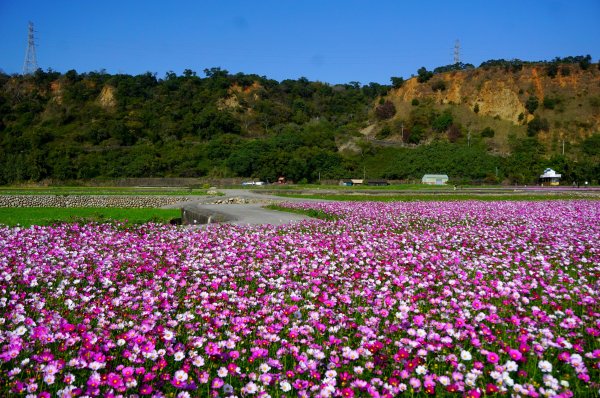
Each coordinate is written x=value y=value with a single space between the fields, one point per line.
x=457 y=52
x=30 y=65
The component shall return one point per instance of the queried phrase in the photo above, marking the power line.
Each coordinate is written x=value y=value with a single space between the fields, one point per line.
x=30 y=65
x=457 y=51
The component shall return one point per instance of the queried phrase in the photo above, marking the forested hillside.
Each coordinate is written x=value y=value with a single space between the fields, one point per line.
x=96 y=125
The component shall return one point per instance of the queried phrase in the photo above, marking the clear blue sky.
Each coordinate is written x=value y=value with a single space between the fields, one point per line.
x=334 y=41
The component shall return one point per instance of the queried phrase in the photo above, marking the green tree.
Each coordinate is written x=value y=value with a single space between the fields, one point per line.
x=487 y=132
x=397 y=82
x=532 y=104
x=552 y=69
x=591 y=145
x=443 y=121
x=585 y=62
x=423 y=75
x=536 y=125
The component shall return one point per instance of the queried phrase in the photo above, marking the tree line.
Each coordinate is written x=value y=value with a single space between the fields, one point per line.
x=96 y=125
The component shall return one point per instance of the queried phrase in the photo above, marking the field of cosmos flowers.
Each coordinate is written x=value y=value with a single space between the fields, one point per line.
x=446 y=298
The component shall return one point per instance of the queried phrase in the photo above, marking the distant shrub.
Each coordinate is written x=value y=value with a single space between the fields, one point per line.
x=476 y=108
x=442 y=122
x=565 y=71
x=452 y=67
x=487 y=132
x=423 y=75
x=585 y=63
x=595 y=102
x=536 y=125
x=385 y=132
x=385 y=110
x=552 y=70
x=549 y=103
x=454 y=133
x=415 y=134
x=397 y=82
x=438 y=85
x=531 y=104
x=414 y=102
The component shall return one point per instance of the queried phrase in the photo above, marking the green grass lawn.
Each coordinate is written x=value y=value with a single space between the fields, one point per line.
x=27 y=216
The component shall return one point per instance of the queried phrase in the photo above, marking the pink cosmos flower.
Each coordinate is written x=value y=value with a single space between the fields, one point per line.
x=217 y=383
x=114 y=380
x=492 y=357
x=515 y=354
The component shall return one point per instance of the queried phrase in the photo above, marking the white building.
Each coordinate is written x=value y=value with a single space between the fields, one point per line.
x=550 y=177
x=434 y=179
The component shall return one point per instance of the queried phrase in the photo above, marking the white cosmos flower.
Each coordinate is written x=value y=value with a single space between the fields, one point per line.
x=465 y=355
x=285 y=386
x=181 y=375
x=21 y=330
x=168 y=335
x=264 y=368
x=251 y=388
x=198 y=361
x=545 y=366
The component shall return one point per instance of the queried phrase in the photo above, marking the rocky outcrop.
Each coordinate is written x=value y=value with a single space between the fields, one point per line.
x=106 y=99
x=497 y=97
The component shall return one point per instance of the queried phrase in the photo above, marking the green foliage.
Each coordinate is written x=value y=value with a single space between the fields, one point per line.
x=552 y=70
x=550 y=102
x=585 y=62
x=397 y=82
x=26 y=217
x=453 y=67
x=536 y=125
x=458 y=161
x=443 y=121
x=373 y=90
x=95 y=125
x=513 y=65
x=591 y=145
x=487 y=132
x=526 y=161
x=177 y=126
x=532 y=104
x=415 y=134
x=385 y=132
x=423 y=75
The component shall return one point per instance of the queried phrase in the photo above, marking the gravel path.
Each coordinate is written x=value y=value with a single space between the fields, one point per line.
x=252 y=213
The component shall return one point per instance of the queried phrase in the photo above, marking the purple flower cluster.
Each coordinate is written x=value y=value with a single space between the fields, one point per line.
x=454 y=298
